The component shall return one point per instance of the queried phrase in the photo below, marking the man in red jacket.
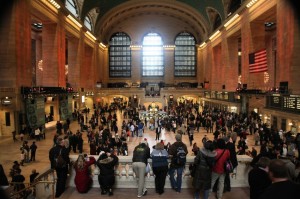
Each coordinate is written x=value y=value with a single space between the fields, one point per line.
x=218 y=170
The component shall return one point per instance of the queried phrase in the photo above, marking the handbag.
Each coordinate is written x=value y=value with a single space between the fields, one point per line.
x=192 y=168
x=148 y=168
x=228 y=168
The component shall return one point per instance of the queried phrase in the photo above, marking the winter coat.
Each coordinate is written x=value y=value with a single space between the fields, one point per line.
x=204 y=161
x=106 y=166
x=83 y=180
x=141 y=153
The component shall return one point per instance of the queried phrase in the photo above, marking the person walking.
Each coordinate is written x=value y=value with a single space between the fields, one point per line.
x=160 y=163
x=14 y=134
x=157 y=133
x=32 y=148
x=59 y=158
x=204 y=161
x=140 y=157
x=177 y=151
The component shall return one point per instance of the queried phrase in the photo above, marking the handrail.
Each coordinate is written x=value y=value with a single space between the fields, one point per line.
x=30 y=187
x=38 y=180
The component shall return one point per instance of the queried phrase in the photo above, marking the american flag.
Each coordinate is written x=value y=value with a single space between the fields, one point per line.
x=258 y=62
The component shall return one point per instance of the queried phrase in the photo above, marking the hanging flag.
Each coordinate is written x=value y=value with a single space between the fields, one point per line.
x=258 y=61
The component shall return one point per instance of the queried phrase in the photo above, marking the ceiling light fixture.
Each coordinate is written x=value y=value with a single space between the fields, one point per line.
x=203 y=45
x=251 y=3
x=213 y=36
x=230 y=21
x=54 y=3
x=74 y=21
x=90 y=35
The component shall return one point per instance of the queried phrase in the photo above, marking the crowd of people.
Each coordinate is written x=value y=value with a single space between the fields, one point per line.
x=230 y=132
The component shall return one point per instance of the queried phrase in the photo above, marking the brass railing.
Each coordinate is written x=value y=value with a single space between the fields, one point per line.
x=43 y=186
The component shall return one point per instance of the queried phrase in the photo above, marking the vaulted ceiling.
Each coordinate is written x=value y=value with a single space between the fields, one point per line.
x=199 y=17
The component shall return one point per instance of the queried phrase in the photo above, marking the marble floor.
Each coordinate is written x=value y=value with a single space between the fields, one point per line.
x=10 y=152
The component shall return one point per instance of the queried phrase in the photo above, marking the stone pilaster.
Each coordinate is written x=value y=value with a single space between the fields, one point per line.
x=53 y=55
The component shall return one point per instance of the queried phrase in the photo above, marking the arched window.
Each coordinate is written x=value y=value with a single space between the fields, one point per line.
x=185 y=55
x=71 y=6
x=153 y=57
x=120 y=55
x=88 y=23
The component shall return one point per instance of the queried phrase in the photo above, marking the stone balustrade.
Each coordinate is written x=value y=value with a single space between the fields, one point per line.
x=125 y=177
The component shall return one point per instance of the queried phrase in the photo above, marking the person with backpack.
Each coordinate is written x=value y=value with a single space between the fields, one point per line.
x=203 y=163
x=177 y=152
x=59 y=158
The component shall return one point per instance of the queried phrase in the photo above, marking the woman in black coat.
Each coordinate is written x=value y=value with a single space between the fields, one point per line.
x=204 y=162
x=3 y=178
x=106 y=177
x=231 y=147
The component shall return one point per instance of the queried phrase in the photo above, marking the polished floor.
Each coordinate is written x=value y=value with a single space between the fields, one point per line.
x=10 y=151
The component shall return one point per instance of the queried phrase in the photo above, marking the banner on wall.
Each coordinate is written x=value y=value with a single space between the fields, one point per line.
x=35 y=112
x=65 y=107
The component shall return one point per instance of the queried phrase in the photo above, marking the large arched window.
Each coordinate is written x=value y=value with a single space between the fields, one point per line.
x=88 y=23
x=71 y=6
x=153 y=56
x=120 y=55
x=185 y=55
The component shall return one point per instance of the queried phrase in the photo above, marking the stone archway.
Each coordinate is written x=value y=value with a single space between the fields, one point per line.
x=159 y=104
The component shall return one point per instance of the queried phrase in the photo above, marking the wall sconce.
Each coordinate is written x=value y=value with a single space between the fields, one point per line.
x=290 y=124
x=99 y=84
x=6 y=101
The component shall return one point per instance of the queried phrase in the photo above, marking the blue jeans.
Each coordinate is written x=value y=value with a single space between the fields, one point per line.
x=205 y=194
x=176 y=184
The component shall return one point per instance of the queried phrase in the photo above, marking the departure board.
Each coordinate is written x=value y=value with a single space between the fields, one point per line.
x=289 y=102
x=275 y=101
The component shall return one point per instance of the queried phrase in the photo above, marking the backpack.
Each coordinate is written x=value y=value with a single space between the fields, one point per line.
x=180 y=156
x=60 y=162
